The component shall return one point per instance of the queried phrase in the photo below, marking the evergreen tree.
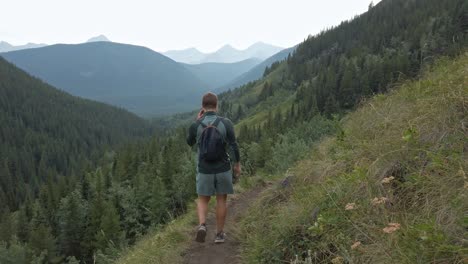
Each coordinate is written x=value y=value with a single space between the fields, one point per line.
x=109 y=233
x=71 y=220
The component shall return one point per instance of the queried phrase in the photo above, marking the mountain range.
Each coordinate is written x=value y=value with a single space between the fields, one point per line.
x=137 y=78
x=6 y=47
x=368 y=177
x=216 y=74
x=226 y=54
x=133 y=77
x=255 y=72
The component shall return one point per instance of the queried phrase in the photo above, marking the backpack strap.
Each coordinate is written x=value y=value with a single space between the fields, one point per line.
x=214 y=124
x=203 y=125
x=200 y=122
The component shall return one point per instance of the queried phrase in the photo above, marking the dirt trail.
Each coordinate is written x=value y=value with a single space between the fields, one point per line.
x=228 y=252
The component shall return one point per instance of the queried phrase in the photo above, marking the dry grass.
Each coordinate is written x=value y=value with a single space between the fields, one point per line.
x=391 y=189
x=165 y=246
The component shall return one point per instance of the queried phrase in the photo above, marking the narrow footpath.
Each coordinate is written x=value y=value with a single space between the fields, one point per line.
x=228 y=252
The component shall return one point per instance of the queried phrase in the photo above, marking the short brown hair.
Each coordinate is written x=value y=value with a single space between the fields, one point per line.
x=210 y=101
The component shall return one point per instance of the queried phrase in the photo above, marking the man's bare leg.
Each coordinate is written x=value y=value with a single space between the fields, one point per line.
x=221 y=210
x=202 y=208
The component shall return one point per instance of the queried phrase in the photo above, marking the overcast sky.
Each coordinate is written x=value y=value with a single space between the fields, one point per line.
x=172 y=24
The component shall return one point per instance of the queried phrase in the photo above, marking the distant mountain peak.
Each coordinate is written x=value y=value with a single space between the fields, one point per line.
x=192 y=49
x=263 y=45
x=226 y=47
x=260 y=43
x=6 y=47
x=226 y=54
x=98 y=38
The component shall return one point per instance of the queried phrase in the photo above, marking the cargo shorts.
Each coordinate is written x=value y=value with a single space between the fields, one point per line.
x=217 y=183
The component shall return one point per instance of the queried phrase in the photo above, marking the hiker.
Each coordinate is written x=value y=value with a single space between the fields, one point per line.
x=214 y=135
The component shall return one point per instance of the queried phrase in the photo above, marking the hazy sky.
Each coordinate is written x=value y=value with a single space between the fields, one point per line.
x=172 y=24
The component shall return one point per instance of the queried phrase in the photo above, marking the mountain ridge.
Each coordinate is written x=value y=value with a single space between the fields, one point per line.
x=6 y=47
x=216 y=74
x=256 y=72
x=134 y=77
x=225 y=54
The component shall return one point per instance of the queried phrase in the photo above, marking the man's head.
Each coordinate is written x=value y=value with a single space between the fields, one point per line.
x=210 y=102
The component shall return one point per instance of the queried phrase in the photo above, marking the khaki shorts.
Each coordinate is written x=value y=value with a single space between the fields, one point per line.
x=211 y=184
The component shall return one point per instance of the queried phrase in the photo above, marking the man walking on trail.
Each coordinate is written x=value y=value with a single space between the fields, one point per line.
x=214 y=135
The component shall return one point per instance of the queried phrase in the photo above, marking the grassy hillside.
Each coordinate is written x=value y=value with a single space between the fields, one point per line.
x=281 y=116
x=389 y=188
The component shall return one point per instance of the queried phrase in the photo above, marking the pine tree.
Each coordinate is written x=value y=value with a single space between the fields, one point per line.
x=22 y=224
x=109 y=233
x=72 y=220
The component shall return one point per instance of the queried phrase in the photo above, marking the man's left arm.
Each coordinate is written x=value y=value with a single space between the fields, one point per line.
x=232 y=142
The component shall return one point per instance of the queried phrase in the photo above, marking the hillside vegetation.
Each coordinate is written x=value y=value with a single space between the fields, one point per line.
x=50 y=145
x=302 y=99
x=330 y=72
x=412 y=135
x=46 y=133
x=389 y=188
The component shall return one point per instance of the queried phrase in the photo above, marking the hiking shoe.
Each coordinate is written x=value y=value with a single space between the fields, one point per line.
x=220 y=237
x=201 y=234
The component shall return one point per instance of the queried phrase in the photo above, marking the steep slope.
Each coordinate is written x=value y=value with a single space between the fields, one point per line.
x=256 y=72
x=133 y=77
x=331 y=72
x=282 y=116
x=217 y=74
x=47 y=134
x=389 y=188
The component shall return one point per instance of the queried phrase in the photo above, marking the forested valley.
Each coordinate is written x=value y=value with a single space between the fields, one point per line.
x=81 y=181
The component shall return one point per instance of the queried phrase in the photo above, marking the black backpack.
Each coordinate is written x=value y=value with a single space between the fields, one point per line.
x=211 y=145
